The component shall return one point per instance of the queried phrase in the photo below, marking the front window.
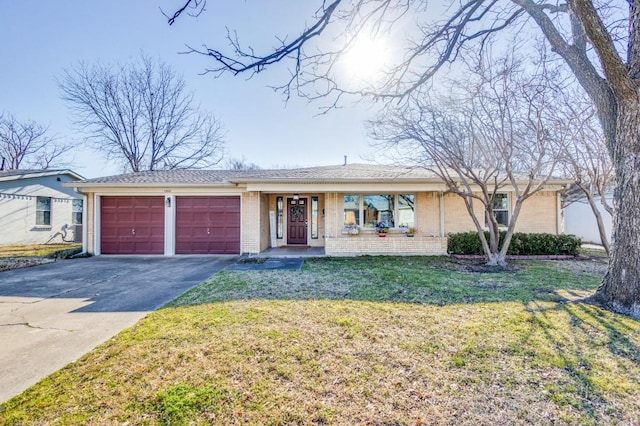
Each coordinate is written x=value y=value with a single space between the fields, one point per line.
x=76 y=212
x=379 y=209
x=351 y=205
x=43 y=211
x=369 y=210
x=406 y=209
x=501 y=209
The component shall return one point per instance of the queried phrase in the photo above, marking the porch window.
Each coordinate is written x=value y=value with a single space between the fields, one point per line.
x=406 y=209
x=76 y=212
x=351 y=207
x=314 y=218
x=279 y=218
x=379 y=208
x=369 y=210
x=43 y=211
x=501 y=209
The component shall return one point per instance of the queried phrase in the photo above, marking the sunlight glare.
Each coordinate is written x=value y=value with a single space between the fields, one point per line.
x=366 y=58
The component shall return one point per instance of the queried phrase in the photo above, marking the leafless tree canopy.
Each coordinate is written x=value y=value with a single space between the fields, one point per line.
x=241 y=164
x=489 y=133
x=433 y=44
x=26 y=145
x=141 y=114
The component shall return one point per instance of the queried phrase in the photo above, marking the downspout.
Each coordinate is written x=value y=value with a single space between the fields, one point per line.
x=560 y=224
x=85 y=224
x=96 y=224
x=85 y=233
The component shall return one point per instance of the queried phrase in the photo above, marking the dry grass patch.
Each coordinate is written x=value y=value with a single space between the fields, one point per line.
x=34 y=250
x=246 y=360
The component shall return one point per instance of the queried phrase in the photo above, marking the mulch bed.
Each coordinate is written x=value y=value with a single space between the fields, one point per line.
x=528 y=257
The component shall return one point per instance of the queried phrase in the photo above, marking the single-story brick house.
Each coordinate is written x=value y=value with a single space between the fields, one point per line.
x=231 y=211
x=35 y=207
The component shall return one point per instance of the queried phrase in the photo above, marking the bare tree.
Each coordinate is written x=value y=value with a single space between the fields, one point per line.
x=599 y=42
x=586 y=159
x=241 y=164
x=141 y=114
x=26 y=144
x=487 y=135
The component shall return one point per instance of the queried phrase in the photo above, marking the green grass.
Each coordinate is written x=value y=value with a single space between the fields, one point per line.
x=436 y=281
x=361 y=341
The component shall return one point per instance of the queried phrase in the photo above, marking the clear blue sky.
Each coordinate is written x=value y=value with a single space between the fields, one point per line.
x=41 y=38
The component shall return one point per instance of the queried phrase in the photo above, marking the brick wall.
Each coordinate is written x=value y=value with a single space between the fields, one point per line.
x=393 y=244
x=333 y=214
x=539 y=214
x=428 y=214
x=456 y=216
x=250 y=232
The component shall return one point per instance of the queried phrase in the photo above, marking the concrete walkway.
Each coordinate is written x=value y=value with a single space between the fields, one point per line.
x=293 y=251
x=50 y=315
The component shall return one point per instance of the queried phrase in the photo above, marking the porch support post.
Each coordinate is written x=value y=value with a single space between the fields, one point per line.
x=250 y=222
x=442 y=231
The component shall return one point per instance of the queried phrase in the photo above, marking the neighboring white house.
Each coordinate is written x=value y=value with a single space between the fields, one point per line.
x=36 y=208
x=579 y=220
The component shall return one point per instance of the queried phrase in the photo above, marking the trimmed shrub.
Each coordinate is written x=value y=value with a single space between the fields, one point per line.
x=523 y=244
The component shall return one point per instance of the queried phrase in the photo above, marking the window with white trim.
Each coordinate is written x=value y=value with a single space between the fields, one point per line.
x=351 y=209
x=369 y=210
x=501 y=208
x=76 y=212
x=43 y=211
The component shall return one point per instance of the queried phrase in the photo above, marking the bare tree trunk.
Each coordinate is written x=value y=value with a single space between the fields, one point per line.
x=601 y=229
x=620 y=289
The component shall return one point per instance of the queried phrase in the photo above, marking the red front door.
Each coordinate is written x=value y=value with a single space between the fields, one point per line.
x=296 y=221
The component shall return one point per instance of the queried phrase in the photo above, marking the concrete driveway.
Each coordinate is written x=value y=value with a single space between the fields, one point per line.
x=52 y=314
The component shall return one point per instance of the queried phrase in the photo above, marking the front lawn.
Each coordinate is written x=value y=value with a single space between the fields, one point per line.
x=379 y=341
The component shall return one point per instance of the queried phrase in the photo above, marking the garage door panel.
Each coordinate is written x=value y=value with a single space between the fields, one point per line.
x=132 y=225
x=207 y=225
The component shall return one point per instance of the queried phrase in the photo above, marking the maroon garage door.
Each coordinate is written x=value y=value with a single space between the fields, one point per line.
x=207 y=225
x=132 y=225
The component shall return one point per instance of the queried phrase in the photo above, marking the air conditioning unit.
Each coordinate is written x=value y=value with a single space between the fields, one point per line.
x=77 y=233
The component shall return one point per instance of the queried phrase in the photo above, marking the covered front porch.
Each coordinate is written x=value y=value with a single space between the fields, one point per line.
x=309 y=223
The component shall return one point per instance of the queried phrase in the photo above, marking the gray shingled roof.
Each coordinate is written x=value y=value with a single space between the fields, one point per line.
x=350 y=173
x=344 y=173
x=30 y=173
x=178 y=177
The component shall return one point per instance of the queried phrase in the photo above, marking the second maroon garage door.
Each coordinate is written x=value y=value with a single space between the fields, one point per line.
x=132 y=225
x=207 y=225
